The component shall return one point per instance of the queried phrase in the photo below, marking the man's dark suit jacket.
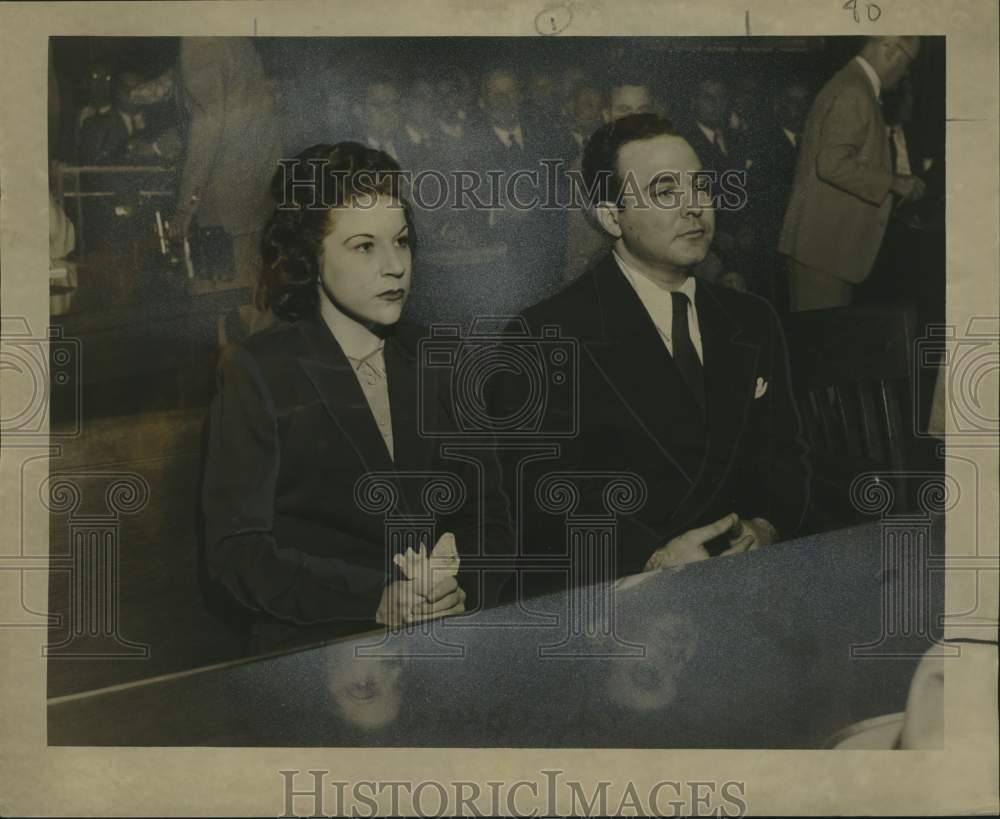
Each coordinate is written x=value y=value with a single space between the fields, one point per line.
x=712 y=159
x=535 y=237
x=290 y=434
x=637 y=415
x=769 y=181
x=104 y=139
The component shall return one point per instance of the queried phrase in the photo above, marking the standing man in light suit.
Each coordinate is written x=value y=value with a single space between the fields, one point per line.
x=233 y=144
x=845 y=187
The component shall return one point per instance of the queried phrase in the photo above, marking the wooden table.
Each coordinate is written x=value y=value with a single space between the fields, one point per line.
x=777 y=648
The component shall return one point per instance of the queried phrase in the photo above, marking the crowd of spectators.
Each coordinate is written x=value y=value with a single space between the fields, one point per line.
x=450 y=115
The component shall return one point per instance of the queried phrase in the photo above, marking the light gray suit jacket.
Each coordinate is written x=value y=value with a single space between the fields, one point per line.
x=840 y=201
x=233 y=141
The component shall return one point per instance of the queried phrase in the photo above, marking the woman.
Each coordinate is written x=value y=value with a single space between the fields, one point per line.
x=314 y=462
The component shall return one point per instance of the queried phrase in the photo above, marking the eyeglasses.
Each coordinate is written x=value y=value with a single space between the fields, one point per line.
x=910 y=58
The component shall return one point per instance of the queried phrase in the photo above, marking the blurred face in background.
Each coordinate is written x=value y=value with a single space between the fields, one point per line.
x=97 y=85
x=710 y=105
x=454 y=95
x=587 y=110
x=791 y=107
x=123 y=85
x=365 y=262
x=571 y=78
x=501 y=99
x=899 y=53
x=542 y=91
x=628 y=99
x=422 y=104
x=381 y=109
x=745 y=99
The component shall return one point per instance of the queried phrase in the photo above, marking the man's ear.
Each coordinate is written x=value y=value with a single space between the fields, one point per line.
x=606 y=115
x=607 y=215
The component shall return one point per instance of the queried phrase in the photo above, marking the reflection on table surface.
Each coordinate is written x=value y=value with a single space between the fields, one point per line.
x=778 y=648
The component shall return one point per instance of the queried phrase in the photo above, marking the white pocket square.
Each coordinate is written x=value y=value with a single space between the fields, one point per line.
x=760 y=389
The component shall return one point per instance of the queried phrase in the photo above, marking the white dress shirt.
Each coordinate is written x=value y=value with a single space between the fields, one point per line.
x=660 y=306
x=509 y=135
x=417 y=137
x=873 y=77
x=385 y=146
x=454 y=130
x=715 y=136
x=898 y=138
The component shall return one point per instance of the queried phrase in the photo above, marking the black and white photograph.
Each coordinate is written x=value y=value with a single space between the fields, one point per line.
x=456 y=399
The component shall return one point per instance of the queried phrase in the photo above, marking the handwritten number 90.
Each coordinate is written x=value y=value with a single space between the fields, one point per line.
x=872 y=9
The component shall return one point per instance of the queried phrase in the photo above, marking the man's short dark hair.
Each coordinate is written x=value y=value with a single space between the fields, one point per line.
x=600 y=156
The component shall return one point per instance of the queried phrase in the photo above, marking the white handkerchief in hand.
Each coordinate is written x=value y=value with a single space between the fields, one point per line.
x=425 y=571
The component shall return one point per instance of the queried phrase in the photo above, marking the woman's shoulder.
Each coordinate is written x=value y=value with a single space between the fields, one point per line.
x=276 y=342
x=266 y=353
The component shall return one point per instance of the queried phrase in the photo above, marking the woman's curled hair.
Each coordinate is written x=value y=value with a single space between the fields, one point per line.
x=305 y=190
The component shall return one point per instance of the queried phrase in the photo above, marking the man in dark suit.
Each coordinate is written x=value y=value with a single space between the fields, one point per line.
x=707 y=128
x=683 y=384
x=845 y=185
x=774 y=154
x=722 y=152
x=510 y=147
x=381 y=115
x=121 y=135
x=104 y=137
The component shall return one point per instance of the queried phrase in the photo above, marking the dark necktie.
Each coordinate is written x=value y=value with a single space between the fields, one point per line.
x=717 y=141
x=685 y=355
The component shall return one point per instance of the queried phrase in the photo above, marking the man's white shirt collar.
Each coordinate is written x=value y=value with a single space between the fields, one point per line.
x=386 y=146
x=660 y=306
x=416 y=137
x=506 y=135
x=127 y=121
x=453 y=130
x=714 y=135
x=791 y=136
x=871 y=74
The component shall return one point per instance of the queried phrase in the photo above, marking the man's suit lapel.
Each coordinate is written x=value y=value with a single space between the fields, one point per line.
x=731 y=369
x=630 y=355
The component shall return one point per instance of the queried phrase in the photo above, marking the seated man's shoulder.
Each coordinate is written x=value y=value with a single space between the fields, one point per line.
x=409 y=334
x=752 y=310
x=571 y=307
